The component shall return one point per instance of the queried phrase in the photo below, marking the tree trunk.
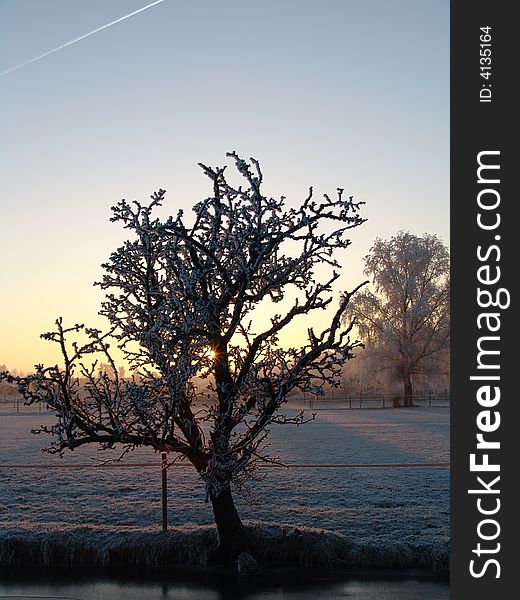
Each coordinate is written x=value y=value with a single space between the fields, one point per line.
x=233 y=537
x=408 y=391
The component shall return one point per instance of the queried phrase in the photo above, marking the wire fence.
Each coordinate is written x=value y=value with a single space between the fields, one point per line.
x=361 y=400
x=374 y=400
x=176 y=465
x=163 y=467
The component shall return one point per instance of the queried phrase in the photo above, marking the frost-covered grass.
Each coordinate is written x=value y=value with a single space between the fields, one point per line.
x=272 y=545
x=383 y=516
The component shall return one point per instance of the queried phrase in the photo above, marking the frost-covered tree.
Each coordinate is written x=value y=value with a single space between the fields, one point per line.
x=183 y=298
x=405 y=320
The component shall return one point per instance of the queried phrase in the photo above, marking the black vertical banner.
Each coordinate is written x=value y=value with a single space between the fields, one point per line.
x=485 y=423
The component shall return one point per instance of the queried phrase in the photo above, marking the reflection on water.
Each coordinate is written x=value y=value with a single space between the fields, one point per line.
x=170 y=585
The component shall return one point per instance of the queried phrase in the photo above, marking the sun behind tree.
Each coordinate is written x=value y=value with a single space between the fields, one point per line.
x=180 y=301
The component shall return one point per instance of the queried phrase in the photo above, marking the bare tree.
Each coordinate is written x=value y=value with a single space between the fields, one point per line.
x=182 y=300
x=405 y=321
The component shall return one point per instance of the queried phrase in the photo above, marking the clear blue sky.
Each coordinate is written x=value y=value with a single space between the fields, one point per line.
x=346 y=93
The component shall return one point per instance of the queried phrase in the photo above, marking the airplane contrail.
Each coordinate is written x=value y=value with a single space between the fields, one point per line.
x=81 y=37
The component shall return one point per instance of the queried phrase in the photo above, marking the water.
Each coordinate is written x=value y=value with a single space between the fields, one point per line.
x=173 y=586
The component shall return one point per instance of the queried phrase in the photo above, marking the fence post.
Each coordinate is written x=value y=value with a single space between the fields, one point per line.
x=164 y=481
x=350 y=402
x=429 y=398
x=360 y=398
x=383 y=402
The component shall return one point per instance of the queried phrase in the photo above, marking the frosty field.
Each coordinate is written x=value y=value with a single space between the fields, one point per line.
x=384 y=508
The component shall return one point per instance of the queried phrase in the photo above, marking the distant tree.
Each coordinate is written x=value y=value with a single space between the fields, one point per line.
x=6 y=389
x=182 y=300
x=405 y=320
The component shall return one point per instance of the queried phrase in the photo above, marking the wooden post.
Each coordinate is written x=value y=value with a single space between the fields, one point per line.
x=164 y=480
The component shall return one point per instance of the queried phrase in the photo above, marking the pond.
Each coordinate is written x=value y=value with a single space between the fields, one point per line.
x=92 y=585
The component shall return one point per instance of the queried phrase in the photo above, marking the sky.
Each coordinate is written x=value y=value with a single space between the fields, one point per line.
x=337 y=93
